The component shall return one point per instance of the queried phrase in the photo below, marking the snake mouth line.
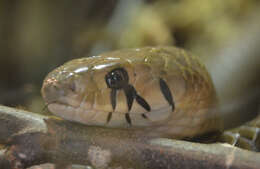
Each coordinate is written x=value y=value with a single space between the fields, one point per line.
x=73 y=113
x=92 y=117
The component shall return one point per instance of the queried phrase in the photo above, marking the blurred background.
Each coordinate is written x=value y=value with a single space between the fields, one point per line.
x=37 y=36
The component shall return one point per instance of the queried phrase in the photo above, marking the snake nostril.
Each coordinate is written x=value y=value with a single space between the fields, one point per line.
x=52 y=91
x=72 y=86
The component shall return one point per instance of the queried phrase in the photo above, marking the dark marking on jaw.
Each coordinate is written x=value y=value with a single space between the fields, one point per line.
x=109 y=116
x=167 y=93
x=113 y=103
x=144 y=116
x=128 y=119
x=113 y=98
x=130 y=94
x=141 y=101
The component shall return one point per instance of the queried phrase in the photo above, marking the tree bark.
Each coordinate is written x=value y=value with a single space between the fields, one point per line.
x=31 y=139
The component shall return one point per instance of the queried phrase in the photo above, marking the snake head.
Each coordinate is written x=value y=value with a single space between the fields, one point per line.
x=81 y=90
x=162 y=90
x=106 y=90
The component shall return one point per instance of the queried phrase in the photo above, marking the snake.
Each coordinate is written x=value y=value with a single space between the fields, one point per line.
x=160 y=91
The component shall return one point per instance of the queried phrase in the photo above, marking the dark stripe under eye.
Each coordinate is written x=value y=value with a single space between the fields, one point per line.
x=113 y=98
x=143 y=103
x=130 y=94
x=167 y=93
x=144 y=116
x=109 y=116
x=128 y=119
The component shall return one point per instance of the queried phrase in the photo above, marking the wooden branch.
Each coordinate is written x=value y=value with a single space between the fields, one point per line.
x=34 y=139
x=15 y=121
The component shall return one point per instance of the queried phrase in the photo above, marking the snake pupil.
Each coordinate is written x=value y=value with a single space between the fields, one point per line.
x=117 y=78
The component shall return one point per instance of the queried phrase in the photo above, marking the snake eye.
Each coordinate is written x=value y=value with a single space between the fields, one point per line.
x=117 y=78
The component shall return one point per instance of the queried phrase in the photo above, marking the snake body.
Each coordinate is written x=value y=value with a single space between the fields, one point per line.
x=157 y=91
